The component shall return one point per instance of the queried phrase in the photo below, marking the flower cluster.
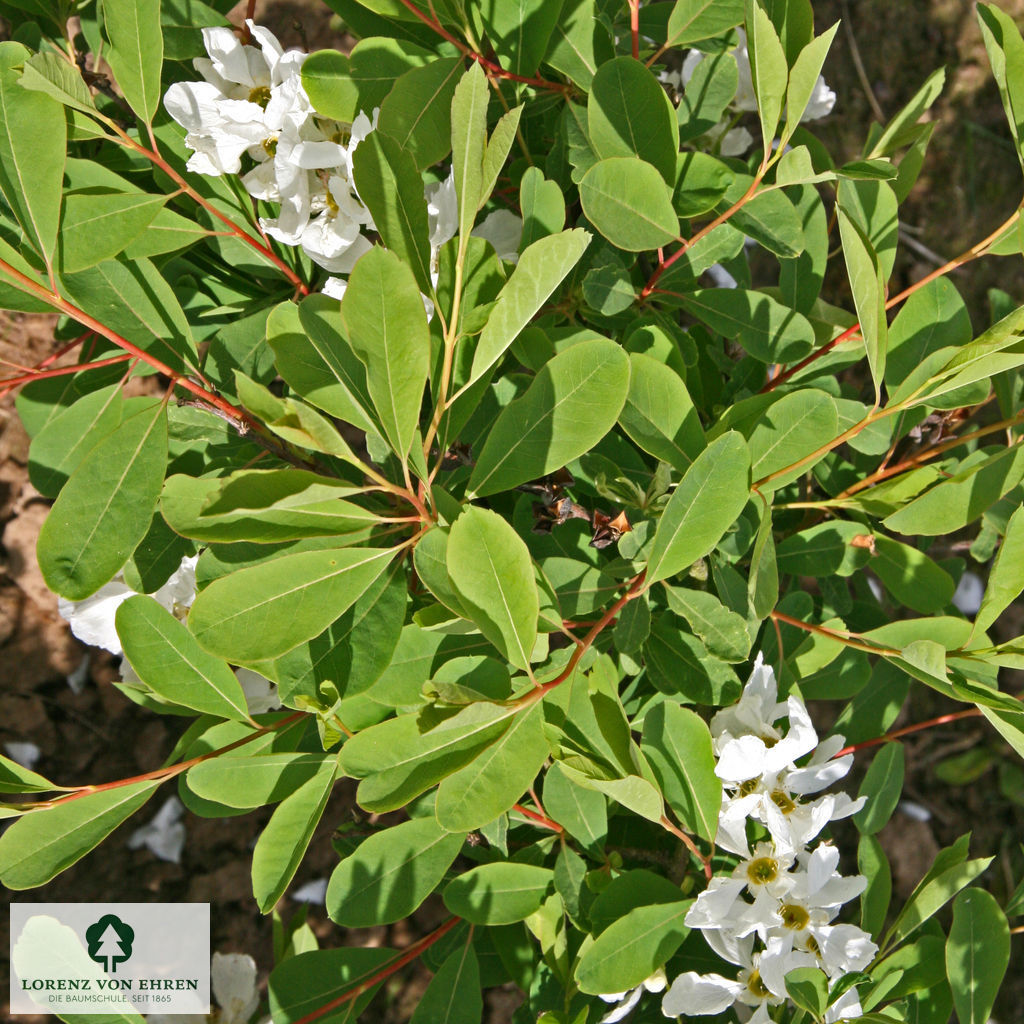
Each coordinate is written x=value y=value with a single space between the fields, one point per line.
x=775 y=912
x=251 y=103
x=735 y=141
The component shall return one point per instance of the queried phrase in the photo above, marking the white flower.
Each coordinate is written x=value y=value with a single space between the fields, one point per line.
x=260 y=693
x=92 y=619
x=823 y=99
x=23 y=752
x=442 y=215
x=503 y=229
x=165 y=834
x=745 y=738
x=335 y=287
x=233 y=980
x=245 y=99
x=625 y=1001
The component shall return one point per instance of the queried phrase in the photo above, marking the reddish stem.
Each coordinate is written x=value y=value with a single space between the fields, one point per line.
x=539 y=818
x=495 y=69
x=636 y=588
x=817 y=354
x=60 y=371
x=412 y=953
x=958 y=261
x=954 y=716
x=634 y=26
x=927 y=455
x=170 y=771
x=842 y=636
x=663 y=265
x=236 y=416
x=64 y=350
x=670 y=826
x=154 y=157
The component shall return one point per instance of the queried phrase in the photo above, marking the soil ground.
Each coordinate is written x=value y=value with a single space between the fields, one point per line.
x=970 y=183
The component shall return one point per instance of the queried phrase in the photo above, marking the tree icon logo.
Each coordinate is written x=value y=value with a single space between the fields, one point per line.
x=110 y=942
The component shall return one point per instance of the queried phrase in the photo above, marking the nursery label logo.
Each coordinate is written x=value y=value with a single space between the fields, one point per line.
x=89 y=958
x=110 y=942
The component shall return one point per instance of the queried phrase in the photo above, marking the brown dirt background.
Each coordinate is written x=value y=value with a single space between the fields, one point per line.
x=970 y=183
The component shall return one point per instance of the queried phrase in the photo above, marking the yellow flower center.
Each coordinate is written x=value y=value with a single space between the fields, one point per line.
x=794 y=916
x=756 y=986
x=748 y=787
x=270 y=145
x=260 y=95
x=763 y=870
x=783 y=801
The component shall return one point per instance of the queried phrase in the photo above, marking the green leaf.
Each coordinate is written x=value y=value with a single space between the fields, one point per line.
x=136 y=52
x=836 y=548
x=962 y=498
x=631 y=949
x=401 y=758
x=171 y=663
x=723 y=631
x=977 y=954
x=868 y=286
x=316 y=360
x=492 y=782
x=904 y=125
x=303 y=985
x=106 y=507
x=1006 y=580
x=42 y=843
x=245 y=780
x=543 y=206
x=454 y=994
x=96 y=227
x=261 y=505
x=882 y=786
x=571 y=404
x=48 y=73
x=803 y=77
x=417 y=112
x=390 y=185
x=469 y=142
x=808 y=988
x=282 y=844
x=520 y=30
x=541 y=269
x=1006 y=55
x=874 y=901
x=770 y=218
x=265 y=610
x=630 y=114
x=710 y=90
x=498 y=147
x=16 y=778
x=32 y=152
x=935 y=890
x=768 y=330
x=583 y=813
x=911 y=576
x=490 y=569
x=391 y=873
x=628 y=201
x=768 y=70
x=705 y=504
x=677 y=744
x=61 y=445
x=659 y=415
x=386 y=325
x=135 y=300
x=499 y=893
x=580 y=43
x=694 y=20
